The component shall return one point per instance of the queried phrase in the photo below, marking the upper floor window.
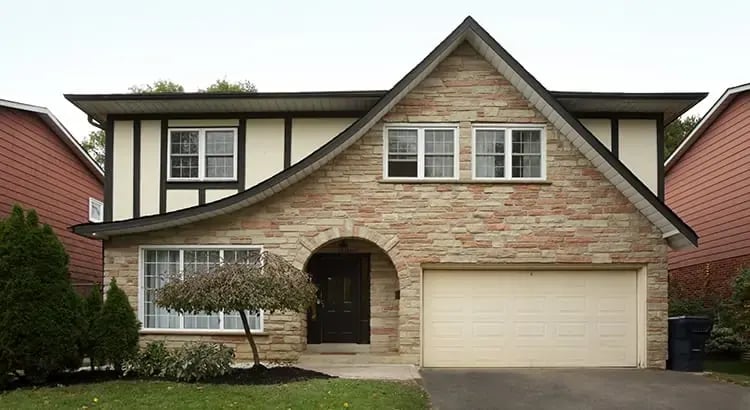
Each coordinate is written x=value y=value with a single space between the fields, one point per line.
x=96 y=210
x=203 y=154
x=421 y=151
x=509 y=152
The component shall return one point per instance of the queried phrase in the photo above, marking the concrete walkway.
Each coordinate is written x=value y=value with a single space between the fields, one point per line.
x=367 y=371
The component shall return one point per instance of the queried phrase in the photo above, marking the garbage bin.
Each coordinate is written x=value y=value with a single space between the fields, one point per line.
x=687 y=341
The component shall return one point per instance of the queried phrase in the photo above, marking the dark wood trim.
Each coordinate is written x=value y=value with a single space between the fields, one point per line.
x=241 y=154
x=620 y=115
x=201 y=196
x=163 y=166
x=660 y=157
x=287 y=142
x=201 y=185
x=136 y=168
x=109 y=152
x=238 y=115
x=615 y=137
x=193 y=127
x=364 y=298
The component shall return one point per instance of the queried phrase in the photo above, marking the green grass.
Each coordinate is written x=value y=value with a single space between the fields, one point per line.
x=313 y=394
x=731 y=371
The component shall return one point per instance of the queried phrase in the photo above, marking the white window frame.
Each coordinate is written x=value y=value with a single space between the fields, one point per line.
x=93 y=202
x=420 y=128
x=509 y=128
x=201 y=154
x=181 y=248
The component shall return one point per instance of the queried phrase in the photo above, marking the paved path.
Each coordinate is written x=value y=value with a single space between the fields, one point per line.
x=580 y=389
x=370 y=371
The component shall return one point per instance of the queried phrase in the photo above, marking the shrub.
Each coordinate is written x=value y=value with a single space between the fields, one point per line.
x=197 y=361
x=191 y=362
x=725 y=342
x=92 y=309
x=688 y=307
x=39 y=311
x=151 y=361
x=116 y=329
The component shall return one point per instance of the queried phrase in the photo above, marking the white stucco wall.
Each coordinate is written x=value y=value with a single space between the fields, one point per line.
x=601 y=128
x=309 y=134
x=264 y=150
x=181 y=198
x=216 y=194
x=638 y=150
x=150 y=167
x=122 y=171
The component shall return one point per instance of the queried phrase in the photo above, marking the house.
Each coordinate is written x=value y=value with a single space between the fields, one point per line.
x=708 y=181
x=465 y=217
x=46 y=169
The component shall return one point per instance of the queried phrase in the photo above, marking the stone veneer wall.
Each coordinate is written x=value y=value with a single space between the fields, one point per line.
x=576 y=217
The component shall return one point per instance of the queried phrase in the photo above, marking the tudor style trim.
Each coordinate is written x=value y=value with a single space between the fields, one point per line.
x=241 y=159
x=109 y=162
x=614 y=137
x=677 y=233
x=719 y=106
x=162 y=166
x=287 y=142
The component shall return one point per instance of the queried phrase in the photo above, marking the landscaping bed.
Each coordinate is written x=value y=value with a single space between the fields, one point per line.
x=735 y=371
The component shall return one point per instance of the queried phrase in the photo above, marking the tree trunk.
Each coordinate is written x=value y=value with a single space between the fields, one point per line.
x=250 y=339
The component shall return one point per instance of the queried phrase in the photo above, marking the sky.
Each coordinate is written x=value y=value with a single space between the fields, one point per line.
x=48 y=48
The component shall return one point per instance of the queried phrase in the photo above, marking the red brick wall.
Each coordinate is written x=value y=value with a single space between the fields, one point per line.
x=710 y=281
x=39 y=171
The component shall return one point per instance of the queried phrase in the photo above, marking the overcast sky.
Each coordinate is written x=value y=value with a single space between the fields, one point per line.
x=48 y=48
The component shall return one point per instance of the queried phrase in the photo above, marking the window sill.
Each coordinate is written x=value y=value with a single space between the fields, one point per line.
x=201 y=180
x=467 y=181
x=200 y=332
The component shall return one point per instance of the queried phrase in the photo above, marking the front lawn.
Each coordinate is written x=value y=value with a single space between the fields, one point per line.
x=731 y=371
x=139 y=394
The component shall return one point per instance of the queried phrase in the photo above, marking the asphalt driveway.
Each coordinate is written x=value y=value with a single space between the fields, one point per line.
x=579 y=389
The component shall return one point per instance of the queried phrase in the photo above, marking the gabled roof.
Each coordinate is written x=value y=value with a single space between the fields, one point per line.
x=56 y=126
x=719 y=106
x=675 y=231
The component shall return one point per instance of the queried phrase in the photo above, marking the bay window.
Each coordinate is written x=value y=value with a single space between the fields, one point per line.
x=159 y=264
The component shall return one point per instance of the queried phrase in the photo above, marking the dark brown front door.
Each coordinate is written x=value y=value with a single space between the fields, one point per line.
x=336 y=317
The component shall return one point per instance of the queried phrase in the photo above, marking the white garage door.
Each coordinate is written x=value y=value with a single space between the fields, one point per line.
x=529 y=319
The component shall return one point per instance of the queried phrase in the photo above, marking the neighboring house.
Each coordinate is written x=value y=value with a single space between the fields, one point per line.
x=465 y=217
x=42 y=167
x=708 y=183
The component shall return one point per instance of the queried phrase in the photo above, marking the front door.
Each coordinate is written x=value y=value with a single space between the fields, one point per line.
x=336 y=316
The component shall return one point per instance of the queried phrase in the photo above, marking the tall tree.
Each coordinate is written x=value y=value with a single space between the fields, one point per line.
x=677 y=131
x=158 y=86
x=223 y=86
x=94 y=145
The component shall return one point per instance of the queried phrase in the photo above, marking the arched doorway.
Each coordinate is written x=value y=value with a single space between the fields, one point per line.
x=358 y=303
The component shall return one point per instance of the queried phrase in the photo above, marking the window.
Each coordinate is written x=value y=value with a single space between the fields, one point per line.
x=510 y=153
x=202 y=154
x=421 y=152
x=158 y=264
x=96 y=210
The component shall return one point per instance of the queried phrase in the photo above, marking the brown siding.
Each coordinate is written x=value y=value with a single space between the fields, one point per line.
x=709 y=187
x=40 y=171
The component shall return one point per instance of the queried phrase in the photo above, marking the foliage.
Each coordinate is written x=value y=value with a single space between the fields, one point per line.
x=223 y=86
x=92 y=310
x=725 y=341
x=264 y=282
x=191 y=362
x=157 y=87
x=688 y=307
x=116 y=329
x=39 y=310
x=738 y=306
x=197 y=361
x=94 y=145
x=677 y=131
x=151 y=361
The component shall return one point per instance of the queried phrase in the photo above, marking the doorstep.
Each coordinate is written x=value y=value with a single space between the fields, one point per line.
x=366 y=371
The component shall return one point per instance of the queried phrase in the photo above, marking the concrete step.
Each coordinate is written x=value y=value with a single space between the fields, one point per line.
x=318 y=359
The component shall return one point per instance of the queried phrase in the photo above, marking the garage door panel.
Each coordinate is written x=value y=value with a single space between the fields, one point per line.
x=523 y=319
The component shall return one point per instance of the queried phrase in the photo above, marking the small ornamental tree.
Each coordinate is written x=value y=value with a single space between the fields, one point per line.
x=116 y=329
x=265 y=282
x=40 y=314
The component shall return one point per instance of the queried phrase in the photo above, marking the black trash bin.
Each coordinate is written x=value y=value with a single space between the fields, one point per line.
x=687 y=342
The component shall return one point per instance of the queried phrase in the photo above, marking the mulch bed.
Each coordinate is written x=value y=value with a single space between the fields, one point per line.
x=263 y=376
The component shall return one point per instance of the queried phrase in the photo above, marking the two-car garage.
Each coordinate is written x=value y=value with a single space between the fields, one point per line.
x=530 y=318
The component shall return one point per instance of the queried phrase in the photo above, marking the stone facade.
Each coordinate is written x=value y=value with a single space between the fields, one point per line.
x=577 y=216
